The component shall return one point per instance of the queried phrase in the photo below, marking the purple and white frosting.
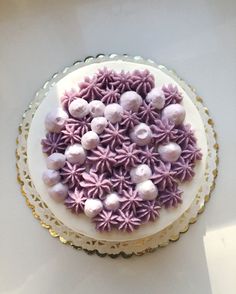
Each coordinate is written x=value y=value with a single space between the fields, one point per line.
x=118 y=149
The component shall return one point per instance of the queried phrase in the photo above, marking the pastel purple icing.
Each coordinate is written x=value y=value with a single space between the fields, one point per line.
x=107 y=167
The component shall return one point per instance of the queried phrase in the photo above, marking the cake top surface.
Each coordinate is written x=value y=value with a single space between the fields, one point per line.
x=119 y=151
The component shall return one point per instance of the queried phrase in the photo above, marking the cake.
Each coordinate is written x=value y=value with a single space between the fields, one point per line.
x=117 y=150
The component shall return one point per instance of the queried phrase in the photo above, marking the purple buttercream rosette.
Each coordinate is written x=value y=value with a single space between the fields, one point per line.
x=104 y=172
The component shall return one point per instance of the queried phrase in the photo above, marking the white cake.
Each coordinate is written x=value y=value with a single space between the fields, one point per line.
x=37 y=160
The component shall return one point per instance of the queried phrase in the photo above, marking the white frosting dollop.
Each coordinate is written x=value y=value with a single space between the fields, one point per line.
x=175 y=113
x=156 y=97
x=141 y=134
x=169 y=152
x=130 y=101
x=79 y=108
x=90 y=140
x=98 y=124
x=51 y=177
x=96 y=108
x=140 y=173
x=112 y=201
x=147 y=190
x=92 y=207
x=75 y=154
x=55 y=120
x=113 y=112
x=58 y=192
x=55 y=161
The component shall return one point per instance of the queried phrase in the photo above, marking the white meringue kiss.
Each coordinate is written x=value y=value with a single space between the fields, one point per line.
x=92 y=207
x=112 y=201
x=113 y=112
x=56 y=161
x=96 y=108
x=55 y=120
x=51 y=177
x=156 y=97
x=90 y=140
x=58 y=192
x=98 y=124
x=174 y=113
x=141 y=134
x=75 y=154
x=169 y=152
x=147 y=190
x=130 y=101
x=140 y=173
x=79 y=108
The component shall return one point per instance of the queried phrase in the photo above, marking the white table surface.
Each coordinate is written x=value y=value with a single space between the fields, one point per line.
x=198 y=40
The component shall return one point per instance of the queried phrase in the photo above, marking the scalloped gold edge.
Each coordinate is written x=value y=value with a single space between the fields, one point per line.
x=174 y=238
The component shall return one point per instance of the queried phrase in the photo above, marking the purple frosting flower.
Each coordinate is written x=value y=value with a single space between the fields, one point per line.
x=105 y=220
x=71 y=174
x=185 y=136
x=149 y=156
x=129 y=120
x=105 y=77
x=103 y=159
x=90 y=89
x=96 y=185
x=164 y=131
x=128 y=156
x=67 y=98
x=71 y=134
x=183 y=169
x=122 y=81
x=75 y=200
x=172 y=94
x=127 y=221
x=149 y=211
x=110 y=95
x=130 y=200
x=121 y=180
x=143 y=82
x=170 y=197
x=148 y=113
x=113 y=135
x=192 y=153
x=53 y=143
x=163 y=176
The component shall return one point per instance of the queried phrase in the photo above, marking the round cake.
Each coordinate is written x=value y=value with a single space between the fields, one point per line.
x=117 y=150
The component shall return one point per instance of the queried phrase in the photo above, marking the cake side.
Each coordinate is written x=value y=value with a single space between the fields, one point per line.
x=37 y=132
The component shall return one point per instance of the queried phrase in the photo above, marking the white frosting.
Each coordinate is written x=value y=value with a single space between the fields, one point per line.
x=113 y=112
x=175 y=113
x=96 y=108
x=89 y=140
x=156 y=97
x=140 y=173
x=147 y=190
x=98 y=124
x=56 y=161
x=55 y=120
x=169 y=152
x=141 y=134
x=92 y=207
x=79 y=108
x=131 y=101
x=37 y=162
x=75 y=154
x=51 y=177
x=112 y=201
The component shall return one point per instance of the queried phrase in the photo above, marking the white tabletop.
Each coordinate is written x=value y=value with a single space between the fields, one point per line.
x=197 y=39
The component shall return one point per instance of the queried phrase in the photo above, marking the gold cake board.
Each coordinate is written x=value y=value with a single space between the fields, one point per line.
x=103 y=248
